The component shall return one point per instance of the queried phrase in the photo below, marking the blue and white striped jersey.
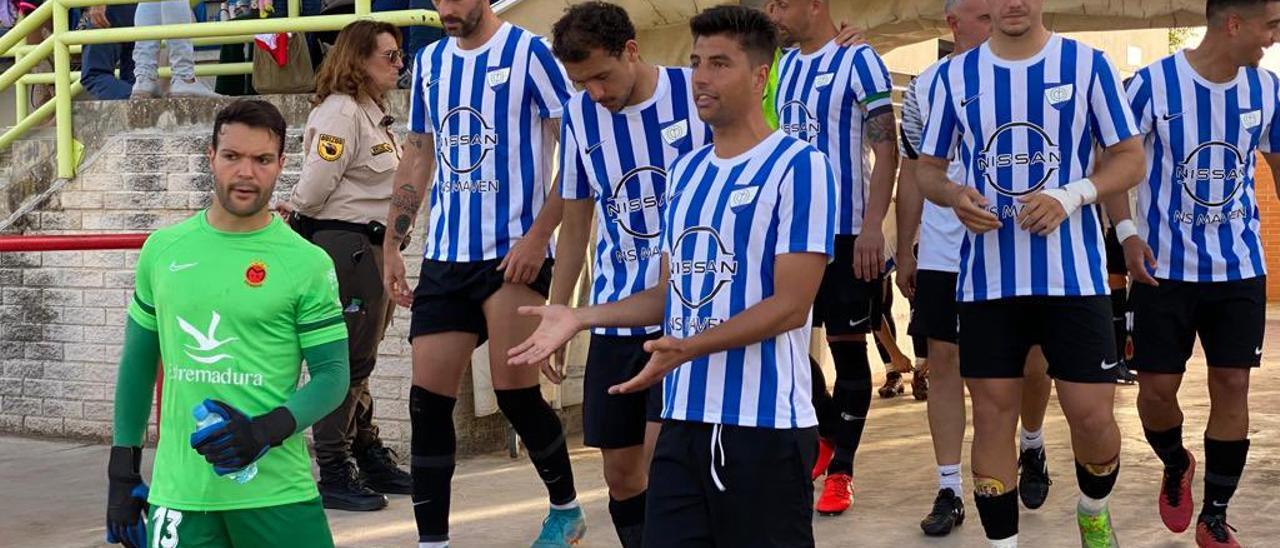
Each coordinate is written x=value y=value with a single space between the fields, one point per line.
x=823 y=98
x=1019 y=127
x=1197 y=209
x=726 y=221
x=485 y=108
x=940 y=230
x=620 y=159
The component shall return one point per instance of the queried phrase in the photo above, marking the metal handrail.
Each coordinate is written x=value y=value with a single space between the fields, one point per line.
x=64 y=41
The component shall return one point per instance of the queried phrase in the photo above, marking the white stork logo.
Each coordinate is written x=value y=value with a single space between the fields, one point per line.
x=205 y=342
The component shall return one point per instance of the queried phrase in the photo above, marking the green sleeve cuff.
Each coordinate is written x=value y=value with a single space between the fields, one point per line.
x=330 y=371
x=135 y=383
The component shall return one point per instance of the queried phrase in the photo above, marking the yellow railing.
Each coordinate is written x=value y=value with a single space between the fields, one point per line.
x=64 y=41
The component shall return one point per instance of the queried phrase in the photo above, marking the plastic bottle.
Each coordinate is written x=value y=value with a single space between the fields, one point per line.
x=206 y=418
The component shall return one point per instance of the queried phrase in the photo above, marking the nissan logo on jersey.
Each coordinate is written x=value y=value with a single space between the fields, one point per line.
x=701 y=266
x=1213 y=173
x=1019 y=158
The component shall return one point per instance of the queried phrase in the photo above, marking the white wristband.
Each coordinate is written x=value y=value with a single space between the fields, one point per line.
x=1126 y=229
x=1075 y=194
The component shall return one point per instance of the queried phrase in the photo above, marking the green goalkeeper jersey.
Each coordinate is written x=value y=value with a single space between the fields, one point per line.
x=233 y=312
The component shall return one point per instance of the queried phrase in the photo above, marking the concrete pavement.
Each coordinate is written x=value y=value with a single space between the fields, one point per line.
x=53 y=492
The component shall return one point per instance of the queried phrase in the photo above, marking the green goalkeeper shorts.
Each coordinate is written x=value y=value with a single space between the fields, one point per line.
x=299 y=524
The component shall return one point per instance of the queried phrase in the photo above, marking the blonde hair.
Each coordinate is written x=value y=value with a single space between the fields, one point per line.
x=343 y=68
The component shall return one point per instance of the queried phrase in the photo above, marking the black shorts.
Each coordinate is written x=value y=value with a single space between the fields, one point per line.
x=617 y=421
x=1229 y=317
x=767 y=495
x=846 y=305
x=1115 y=254
x=450 y=296
x=935 y=313
x=1075 y=334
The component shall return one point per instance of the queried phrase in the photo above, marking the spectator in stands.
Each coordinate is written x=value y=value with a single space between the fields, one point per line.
x=99 y=61
x=181 y=53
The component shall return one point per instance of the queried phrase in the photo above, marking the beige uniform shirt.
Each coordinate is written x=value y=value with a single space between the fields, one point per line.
x=351 y=159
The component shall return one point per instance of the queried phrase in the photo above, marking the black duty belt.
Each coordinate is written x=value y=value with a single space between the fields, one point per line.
x=307 y=227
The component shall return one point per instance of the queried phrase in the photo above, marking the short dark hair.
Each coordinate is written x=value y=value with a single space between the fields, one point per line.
x=1214 y=9
x=254 y=113
x=750 y=27
x=588 y=26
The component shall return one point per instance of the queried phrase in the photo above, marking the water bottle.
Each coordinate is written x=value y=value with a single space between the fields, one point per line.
x=204 y=419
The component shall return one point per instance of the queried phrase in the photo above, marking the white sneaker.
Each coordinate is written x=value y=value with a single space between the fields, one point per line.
x=145 y=88
x=190 y=88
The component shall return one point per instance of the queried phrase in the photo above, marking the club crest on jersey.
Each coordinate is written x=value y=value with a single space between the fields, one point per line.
x=1059 y=94
x=798 y=121
x=823 y=80
x=1019 y=158
x=637 y=201
x=497 y=77
x=255 y=274
x=701 y=266
x=329 y=147
x=740 y=198
x=1221 y=184
x=674 y=132
x=1251 y=119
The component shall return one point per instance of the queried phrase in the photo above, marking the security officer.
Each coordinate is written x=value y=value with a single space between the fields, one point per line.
x=345 y=187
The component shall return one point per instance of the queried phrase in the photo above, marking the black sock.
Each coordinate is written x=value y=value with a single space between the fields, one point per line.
x=999 y=514
x=433 y=444
x=1168 y=446
x=543 y=435
x=852 y=401
x=823 y=405
x=1095 y=486
x=1223 y=464
x=1119 y=310
x=628 y=519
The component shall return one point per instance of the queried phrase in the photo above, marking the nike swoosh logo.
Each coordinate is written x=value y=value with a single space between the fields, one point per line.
x=416 y=503
x=591 y=149
x=945 y=475
x=849 y=417
x=853 y=323
x=1168 y=117
x=1258 y=351
x=432 y=82
x=965 y=102
x=175 y=267
x=1106 y=366
x=1219 y=505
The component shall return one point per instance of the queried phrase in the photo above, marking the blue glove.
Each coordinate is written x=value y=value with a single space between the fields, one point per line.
x=126 y=498
x=239 y=440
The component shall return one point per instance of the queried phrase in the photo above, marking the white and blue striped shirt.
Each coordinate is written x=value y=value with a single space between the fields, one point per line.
x=621 y=160
x=1197 y=209
x=940 y=230
x=1019 y=127
x=485 y=108
x=823 y=98
x=726 y=221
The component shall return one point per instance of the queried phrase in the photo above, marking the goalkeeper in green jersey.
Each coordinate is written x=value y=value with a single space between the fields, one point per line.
x=231 y=301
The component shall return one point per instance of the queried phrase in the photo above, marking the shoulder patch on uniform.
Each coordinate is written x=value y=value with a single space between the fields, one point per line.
x=381 y=148
x=329 y=147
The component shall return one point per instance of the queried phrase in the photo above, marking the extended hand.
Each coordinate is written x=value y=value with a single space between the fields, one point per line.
x=558 y=325
x=665 y=354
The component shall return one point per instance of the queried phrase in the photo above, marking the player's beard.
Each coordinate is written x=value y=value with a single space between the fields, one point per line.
x=223 y=194
x=467 y=24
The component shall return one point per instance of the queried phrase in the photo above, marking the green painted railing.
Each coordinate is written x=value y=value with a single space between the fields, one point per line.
x=64 y=42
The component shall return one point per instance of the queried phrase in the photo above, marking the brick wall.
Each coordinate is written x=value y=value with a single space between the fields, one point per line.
x=1269 y=207
x=62 y=313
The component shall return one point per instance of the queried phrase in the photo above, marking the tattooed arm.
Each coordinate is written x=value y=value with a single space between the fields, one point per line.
x=413 y=178
x=881 y=135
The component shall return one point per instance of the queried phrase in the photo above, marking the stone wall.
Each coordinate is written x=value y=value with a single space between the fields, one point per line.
x=62 y=313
